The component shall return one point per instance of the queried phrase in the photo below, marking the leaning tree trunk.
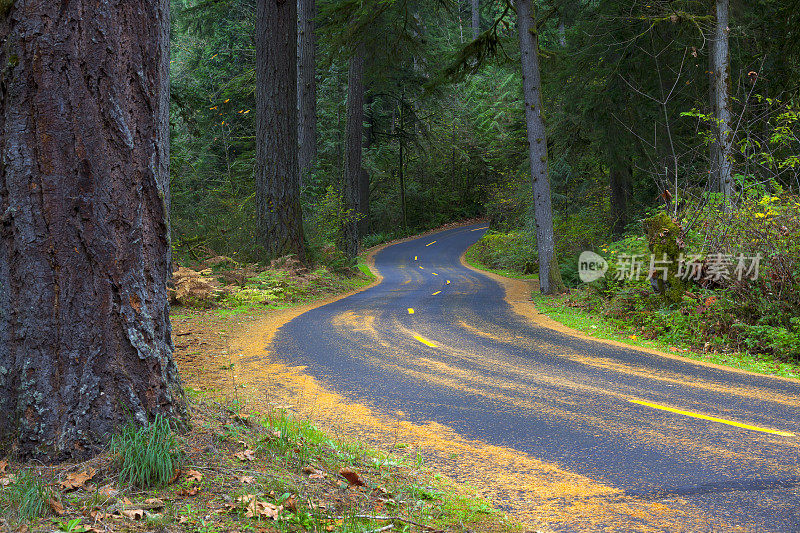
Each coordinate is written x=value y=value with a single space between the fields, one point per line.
x=549 y=275
x=85 y=336
x=352 y=154
x=306 y=87
x=476 y=18
x=280 y=219
x=722 y=80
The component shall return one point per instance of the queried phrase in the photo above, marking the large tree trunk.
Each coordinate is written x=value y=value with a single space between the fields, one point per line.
x=85 y=336
x=277 y=176
x=722 y=80
x=352 y=158
x=306 y=87
x=476 y=18
x=549 y=273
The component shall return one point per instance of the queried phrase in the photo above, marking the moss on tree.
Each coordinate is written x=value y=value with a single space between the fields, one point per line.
x=664 y=238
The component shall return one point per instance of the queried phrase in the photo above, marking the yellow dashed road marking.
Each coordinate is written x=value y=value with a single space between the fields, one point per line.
x=478 y=229
x=435 y=293
x=410 y=311
x=424 y=341
x=415 y=258
x=434 y=273
x=448 y=282
x=430 y=243
x=712 y=419
x=406 y=282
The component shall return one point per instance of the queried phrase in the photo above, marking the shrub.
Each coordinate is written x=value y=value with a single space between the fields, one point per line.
x=147 y=456
x=514 y=251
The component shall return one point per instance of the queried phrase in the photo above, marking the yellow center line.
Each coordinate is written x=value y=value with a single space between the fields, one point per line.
x=415 y=258
x=424 y=341
x=406 y=282
x=434 y=273
x=435 y=293
x=448 y=282
x=410 y=311
x=713 y=419
x=478 y=229
x=421 y=267
x=430 y=243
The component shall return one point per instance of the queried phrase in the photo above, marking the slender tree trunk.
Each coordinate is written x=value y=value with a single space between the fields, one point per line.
x=85 y=336
x=306 y=87
x=369 y=135
x=401 y=163
x=619 y=181
x=713 y=147
x=353 y=146
x=549 y=273
x=562 y=31
x=722 y=80
x=280 y=218
x=476 y=18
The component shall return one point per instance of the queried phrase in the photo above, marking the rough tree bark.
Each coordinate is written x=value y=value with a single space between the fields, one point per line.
x=722 y=80
x=85 y=336
x=306 y=87
x=476 y=18
x=369 y=135
x=352 y=154
x=277 y=176
x=549 y=274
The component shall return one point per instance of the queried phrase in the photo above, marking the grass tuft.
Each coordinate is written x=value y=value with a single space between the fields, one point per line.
x=26 y=498
x=147 y=456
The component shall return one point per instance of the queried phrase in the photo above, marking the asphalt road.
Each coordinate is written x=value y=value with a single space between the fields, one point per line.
x=439 y=342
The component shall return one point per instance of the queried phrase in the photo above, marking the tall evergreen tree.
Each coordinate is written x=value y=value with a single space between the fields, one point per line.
x=277 y=174
x=306 y=86
x=85 y=336
x=351 y=191
x=549 y=274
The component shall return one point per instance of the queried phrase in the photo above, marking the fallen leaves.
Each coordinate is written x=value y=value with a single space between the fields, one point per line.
x=255 y=508
x=352 y=477
x=246 y=455
x=78 y=480
x=133 y=514
x=189 y=491
x=247 y=480
x=194 y=475
x=3 y=466
x=56 y=506
x=7 y=480
x=314 y=473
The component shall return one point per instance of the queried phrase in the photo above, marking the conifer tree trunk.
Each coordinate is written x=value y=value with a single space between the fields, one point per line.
x=277 y=175
x=353 y=145
x=722 y=81
x=306 y=87
x=476 y=18
x=549 y=274
x=85 y=336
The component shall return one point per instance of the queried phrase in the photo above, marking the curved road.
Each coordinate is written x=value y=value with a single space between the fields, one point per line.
x=439 y=342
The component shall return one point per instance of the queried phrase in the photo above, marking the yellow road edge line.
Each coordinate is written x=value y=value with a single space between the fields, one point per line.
x=435 y=293
x=424 y=341
x=478 y=229
x=430 y=243
x=712 y=419
x=410 y=310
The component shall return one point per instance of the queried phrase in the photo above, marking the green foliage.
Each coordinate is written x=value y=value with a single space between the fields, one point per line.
x=507 y=251
x=147 y=456
x=26 y=498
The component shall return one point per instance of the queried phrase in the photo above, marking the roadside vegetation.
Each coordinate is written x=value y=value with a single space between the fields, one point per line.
x=237 y=471
x=750 y=323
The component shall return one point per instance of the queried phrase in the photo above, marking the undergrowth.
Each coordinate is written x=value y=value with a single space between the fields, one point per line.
x=147 y=456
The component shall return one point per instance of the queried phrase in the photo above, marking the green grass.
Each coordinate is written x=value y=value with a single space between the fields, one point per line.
x=26 y=498
x=596 y=326
x=471 y=259
x=147 y=456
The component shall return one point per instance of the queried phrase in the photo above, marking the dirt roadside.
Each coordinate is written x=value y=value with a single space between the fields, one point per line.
x=232 y=357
